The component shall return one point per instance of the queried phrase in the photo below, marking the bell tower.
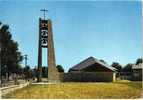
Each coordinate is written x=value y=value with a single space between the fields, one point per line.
x=46 y=41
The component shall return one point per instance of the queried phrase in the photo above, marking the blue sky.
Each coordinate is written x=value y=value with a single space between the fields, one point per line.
x=104 y=30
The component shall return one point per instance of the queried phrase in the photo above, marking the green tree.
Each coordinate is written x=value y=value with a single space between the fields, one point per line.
x=44 y=72
x=128 y=68
x=10 y=56
x=102 y=61
x=27 y=72
x=117 y=66
x=60 y=68
x=139 y=60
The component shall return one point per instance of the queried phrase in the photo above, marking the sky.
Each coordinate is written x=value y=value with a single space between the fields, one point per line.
x=106 y=30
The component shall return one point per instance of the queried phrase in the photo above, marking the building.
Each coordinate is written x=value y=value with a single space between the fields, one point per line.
x=91 y=70
x=137 y=72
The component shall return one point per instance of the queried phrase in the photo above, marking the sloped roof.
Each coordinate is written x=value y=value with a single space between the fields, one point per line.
x=90 y=61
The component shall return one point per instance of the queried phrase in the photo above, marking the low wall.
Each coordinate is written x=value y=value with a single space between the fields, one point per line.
x=87 y=77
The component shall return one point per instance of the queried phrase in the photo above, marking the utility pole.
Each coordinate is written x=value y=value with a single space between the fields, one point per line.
x=25 y=58
x=142 y=30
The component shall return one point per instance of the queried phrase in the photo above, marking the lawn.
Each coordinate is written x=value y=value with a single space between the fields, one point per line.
x=79 y=91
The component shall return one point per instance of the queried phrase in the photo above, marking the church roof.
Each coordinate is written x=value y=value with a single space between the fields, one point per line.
x=90 y=61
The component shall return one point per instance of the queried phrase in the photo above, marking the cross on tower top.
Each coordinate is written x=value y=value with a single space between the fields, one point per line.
x=44 y=11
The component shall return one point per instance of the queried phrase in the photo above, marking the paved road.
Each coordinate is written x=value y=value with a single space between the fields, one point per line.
x=8 y=89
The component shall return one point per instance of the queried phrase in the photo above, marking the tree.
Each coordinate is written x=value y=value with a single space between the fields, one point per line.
x=139 y=60
x=27 y=72
x=10 y=56
x=117 y=66
x=44 y=72
x=102 y=61
x=60 y=68
x=128 y=68
x=34 y=72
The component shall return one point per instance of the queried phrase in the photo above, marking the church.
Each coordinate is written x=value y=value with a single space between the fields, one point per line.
x=90 y=70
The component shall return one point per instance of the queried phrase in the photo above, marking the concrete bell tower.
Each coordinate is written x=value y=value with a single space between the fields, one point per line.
x=46 y=41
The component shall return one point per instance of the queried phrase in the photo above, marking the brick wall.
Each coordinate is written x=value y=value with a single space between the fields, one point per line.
x=87 y=77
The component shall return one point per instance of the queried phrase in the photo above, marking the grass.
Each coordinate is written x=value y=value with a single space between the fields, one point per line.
x=114 y=90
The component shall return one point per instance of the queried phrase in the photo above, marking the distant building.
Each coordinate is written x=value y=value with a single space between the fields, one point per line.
x=89 y=70
x=137 y=72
